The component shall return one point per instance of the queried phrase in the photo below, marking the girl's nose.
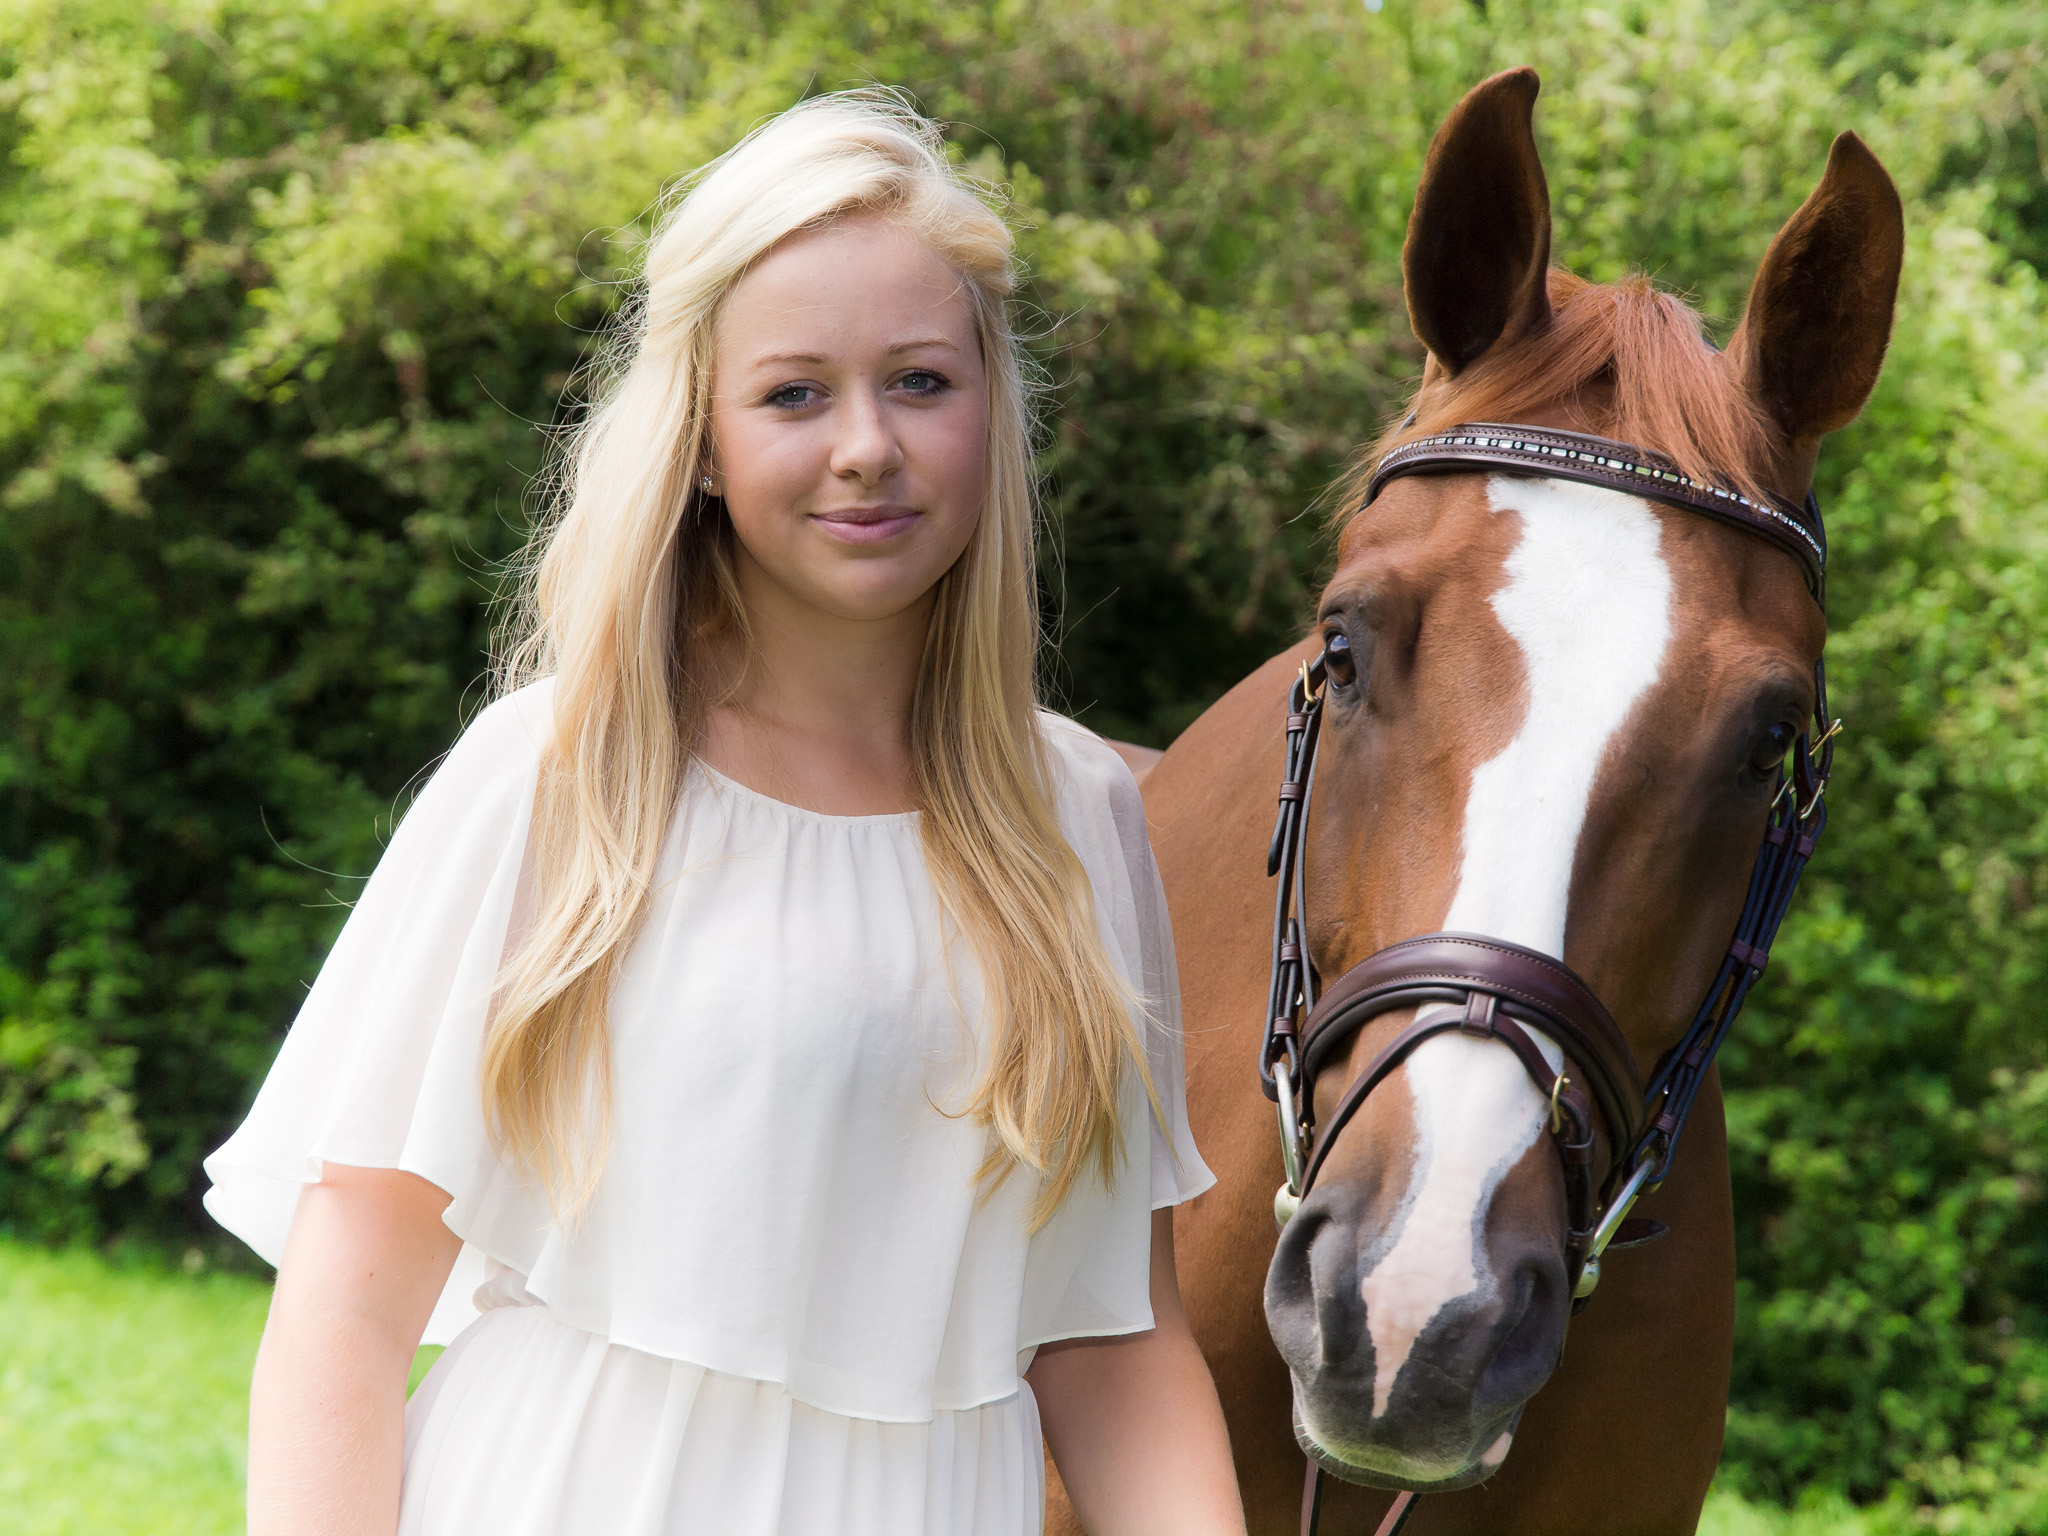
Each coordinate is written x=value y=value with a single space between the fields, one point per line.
x=865 y=449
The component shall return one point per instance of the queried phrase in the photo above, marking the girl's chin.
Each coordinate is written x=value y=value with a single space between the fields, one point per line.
x=852 y=590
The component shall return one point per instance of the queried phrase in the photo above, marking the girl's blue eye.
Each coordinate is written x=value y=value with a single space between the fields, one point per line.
x=792 y=395
x=922 y=381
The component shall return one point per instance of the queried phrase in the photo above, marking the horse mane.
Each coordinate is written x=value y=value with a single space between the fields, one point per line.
x=1672 y=391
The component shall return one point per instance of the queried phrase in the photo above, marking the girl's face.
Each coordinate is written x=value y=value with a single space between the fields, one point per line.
x=849 y=421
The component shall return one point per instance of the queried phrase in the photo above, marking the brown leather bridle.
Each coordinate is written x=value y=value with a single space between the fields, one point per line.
x=1490 y=989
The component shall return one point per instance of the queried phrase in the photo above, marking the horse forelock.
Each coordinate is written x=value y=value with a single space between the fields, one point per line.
x=1643 y=351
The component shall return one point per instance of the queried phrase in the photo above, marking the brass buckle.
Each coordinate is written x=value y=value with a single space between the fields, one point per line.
x=1788 y=790
x=1813 y=752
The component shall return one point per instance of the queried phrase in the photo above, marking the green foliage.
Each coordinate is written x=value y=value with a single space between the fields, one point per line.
x=287 y=290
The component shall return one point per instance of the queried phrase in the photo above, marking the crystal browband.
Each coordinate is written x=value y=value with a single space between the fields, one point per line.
x=1614 y=466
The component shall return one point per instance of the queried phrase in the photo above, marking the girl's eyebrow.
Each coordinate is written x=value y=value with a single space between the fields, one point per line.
x=814 y=359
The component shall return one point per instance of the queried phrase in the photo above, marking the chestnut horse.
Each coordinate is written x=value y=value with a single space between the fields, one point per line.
x=1556 y=715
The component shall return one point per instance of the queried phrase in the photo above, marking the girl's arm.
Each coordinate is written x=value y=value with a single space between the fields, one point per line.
x=1134 y=1425
x=367 y=1256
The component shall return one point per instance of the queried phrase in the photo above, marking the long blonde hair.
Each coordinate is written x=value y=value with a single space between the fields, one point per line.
x=633 y=571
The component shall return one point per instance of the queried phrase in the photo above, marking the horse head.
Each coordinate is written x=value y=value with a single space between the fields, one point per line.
x=1555 y=714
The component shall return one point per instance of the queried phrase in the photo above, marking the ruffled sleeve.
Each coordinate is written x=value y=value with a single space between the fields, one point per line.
x=382 y=1067
x=1178 y=1172
x=1089 y=1268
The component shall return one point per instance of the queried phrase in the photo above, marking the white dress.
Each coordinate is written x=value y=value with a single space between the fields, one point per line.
x=789 y=1310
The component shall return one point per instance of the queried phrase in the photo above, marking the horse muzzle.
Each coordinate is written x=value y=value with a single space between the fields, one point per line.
x=1425 y=1394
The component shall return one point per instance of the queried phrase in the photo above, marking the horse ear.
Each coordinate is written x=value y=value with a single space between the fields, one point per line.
x=1820 y=312
x=1478 y=250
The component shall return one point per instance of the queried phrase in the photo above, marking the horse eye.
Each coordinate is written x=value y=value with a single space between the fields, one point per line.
x=1337 y=660
x=1770 y=751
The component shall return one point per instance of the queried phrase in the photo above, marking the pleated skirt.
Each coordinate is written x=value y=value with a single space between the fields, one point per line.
x=528 y=1427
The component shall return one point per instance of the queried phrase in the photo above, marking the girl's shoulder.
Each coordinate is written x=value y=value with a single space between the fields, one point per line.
x=488 y=776
x=1089 y=772
x=507 y=736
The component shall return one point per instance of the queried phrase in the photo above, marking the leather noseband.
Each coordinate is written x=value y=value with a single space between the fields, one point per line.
x=1498 y=991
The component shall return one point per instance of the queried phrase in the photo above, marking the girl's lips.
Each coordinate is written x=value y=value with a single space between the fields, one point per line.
x=866 y=525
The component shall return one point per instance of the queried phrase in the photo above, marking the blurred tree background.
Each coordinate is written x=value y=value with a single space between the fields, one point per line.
x=288 y=289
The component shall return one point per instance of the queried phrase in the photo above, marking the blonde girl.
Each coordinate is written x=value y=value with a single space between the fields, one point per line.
x=757 y=1048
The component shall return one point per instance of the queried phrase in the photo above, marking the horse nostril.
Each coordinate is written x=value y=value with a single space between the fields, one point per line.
x=1531 y=1330
x=1292 y=1253
x=1296 y=1303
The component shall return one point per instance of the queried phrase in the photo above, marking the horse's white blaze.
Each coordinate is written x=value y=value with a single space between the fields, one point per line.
x=1588 y=599
x=1472 y=1121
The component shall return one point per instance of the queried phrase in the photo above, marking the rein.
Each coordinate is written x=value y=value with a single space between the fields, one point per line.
x=1488 y=988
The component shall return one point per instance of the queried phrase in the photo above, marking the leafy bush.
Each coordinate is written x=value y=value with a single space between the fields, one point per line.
x=285 y=290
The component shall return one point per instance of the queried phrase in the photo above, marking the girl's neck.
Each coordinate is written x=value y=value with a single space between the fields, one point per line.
x=817 y=708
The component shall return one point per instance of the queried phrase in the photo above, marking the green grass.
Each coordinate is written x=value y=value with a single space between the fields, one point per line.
x=124 y=1394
